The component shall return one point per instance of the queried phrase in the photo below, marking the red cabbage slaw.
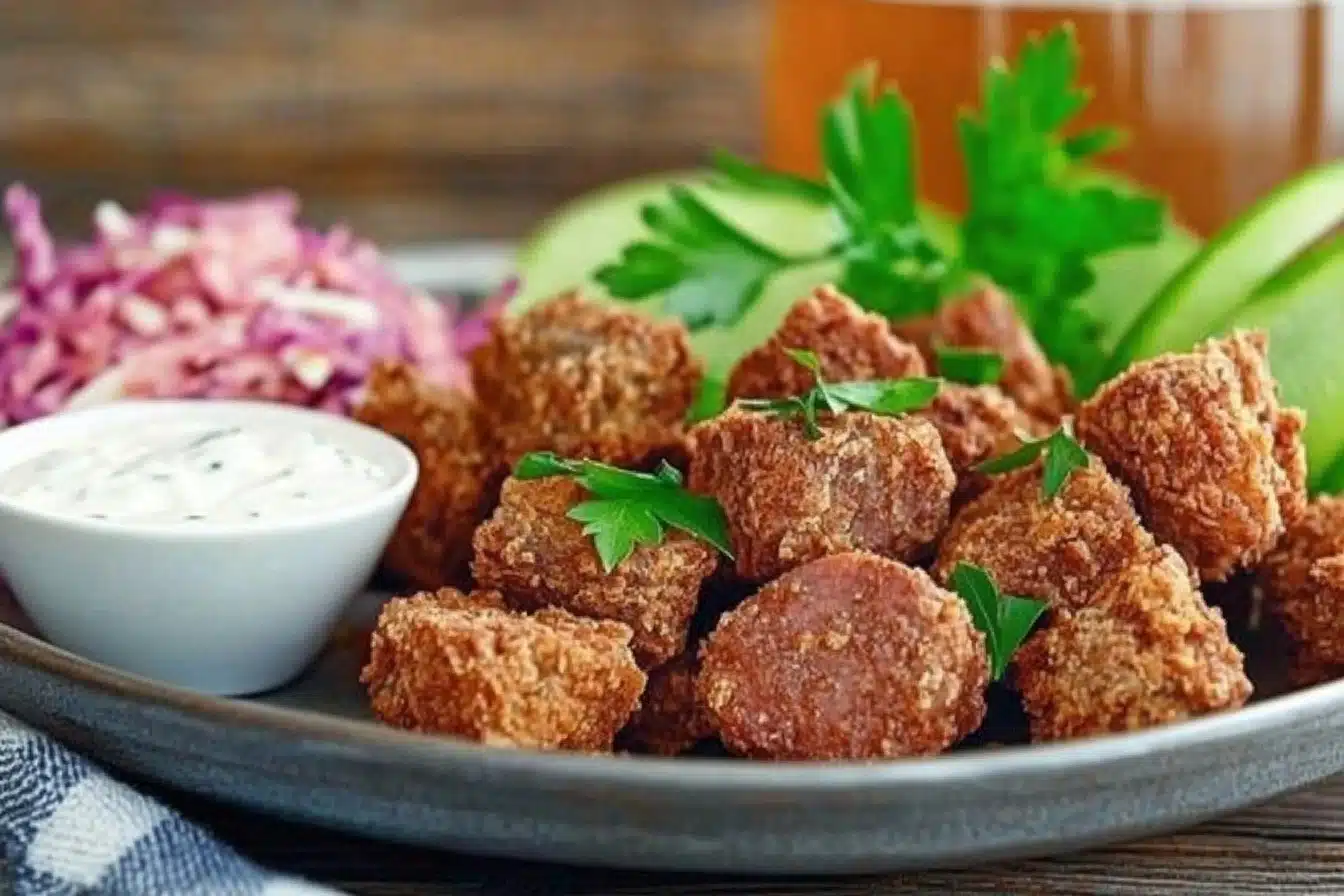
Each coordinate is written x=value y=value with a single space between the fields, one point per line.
x=196 y=298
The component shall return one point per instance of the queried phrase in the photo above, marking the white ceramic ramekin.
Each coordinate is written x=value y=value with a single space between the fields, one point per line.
x=225 y=608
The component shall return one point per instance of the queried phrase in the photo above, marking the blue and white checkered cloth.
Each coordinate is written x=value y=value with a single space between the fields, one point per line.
x=67 y=828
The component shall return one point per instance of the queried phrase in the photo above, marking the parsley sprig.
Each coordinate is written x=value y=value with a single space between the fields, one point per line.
x=1033 y=226
x=972 y=366
x=1030 y=226
x=629 y=508
x=1004 y=619
x=1062 y=454
x=887 y=397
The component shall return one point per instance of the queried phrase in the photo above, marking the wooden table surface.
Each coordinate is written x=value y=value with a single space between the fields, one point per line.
x=1291 y=847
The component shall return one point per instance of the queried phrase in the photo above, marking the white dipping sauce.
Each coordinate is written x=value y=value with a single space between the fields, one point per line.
x=194 y=472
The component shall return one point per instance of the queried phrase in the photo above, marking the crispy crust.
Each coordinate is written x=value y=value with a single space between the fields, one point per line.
x=670 y=719
x=432 y=543
x=538 y=557
x=850 y=343
x=986 y=319
x=586 y=380
x=1147 y=652
x=880 y=484
x=1216 y=467
x=449 y=663
x=1061 y=551
x=975 y=424
x=850 y=657
x=1304 y=581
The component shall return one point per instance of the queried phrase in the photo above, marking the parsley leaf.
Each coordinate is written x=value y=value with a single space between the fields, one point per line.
x=1004 y=619
x=1062 y=454
x=1031 y=226
x=887 y=397
x=734 y=172
x=972 y=366
x=708 y=271
x=867 y=144
x=628 y=508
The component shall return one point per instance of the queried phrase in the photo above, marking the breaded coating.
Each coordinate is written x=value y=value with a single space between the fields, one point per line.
x=538 y=557
x=670 y=719
x=1148 y=651
x=1061 y=551
x=880 y=484
x=584 y=379
x=449 y=663
x=1216 y=466
x=432 y=543
x=986 y=319
x=850 y=657
x=850 y=343
x=975 y=424
x=1303 y=579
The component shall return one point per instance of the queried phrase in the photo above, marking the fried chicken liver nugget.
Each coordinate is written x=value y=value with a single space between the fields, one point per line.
x=1216 y=466
x=1148 y=651
x=986 y=319
x=975 y=424
x=585 y=379
x=849 y=657
x=538 y=557
x=449 y=663
x=1303 y=579
x=1061 y=551
x=874 y=483
x=670 y=719
x=432 y=543
x=850 y=343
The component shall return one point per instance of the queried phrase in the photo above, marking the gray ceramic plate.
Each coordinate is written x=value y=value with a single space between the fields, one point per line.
x=310 y=751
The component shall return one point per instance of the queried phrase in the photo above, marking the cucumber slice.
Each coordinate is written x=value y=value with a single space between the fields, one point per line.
x=1304 y=315
x=1226 y=273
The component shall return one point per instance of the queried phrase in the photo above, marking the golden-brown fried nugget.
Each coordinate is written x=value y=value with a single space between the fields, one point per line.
x=1216 y=466
x=585 y=379
x=1062 y=550
x=670 y=719
x=986 y=319
x=1304 y=580
x=539 y=557
x=879 y=484
x=850 y=343
x=850 y=657
x=1148 y=651
x=432 y=544
x=975 y=424
x=449 y=663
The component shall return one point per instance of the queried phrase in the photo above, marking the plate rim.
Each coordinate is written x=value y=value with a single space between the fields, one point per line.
x=693 y=777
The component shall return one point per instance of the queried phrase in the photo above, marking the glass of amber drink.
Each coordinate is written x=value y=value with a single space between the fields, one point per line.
x=1222 y=99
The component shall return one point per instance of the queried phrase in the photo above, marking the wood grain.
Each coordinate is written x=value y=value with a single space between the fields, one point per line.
x=1291 y=847
x=412 y=119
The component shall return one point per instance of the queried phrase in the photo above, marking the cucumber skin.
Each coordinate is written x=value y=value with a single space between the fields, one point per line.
x=1242 y=241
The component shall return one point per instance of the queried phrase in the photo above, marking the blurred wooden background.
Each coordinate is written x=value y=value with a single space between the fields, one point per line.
x=412 y=119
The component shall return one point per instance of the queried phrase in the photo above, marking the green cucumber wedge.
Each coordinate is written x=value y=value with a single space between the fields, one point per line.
x=1222 y=277
x=1302 y=310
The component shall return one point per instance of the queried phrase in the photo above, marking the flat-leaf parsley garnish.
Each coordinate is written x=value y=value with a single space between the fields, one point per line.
x=886 y=397
x=972 y=366
x=1004 y=620
x=628 y=508
x=1062 y=454
x=1036 y=222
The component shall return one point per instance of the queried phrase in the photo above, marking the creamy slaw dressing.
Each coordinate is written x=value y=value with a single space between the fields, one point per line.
x=193 y=473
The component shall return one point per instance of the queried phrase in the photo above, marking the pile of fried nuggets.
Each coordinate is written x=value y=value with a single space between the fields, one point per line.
x=830 y=634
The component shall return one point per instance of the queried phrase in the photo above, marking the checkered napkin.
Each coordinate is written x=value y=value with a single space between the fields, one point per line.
x=67 y=828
